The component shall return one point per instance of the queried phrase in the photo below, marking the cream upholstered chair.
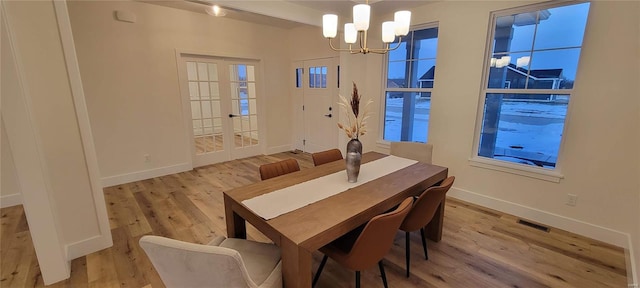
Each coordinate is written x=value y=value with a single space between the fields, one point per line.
x=422 y=211
x=224 y=262
x=412 y=150
x=325 y=157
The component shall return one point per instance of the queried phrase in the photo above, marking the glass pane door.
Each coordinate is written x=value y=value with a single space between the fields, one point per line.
x=242 y=81
x=220 y=99
x=204 y=97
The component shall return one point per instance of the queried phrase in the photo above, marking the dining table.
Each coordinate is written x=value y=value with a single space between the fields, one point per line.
x=302 y=231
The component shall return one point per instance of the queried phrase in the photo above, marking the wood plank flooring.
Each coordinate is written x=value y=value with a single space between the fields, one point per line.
x=480 y=247
x=212 y=143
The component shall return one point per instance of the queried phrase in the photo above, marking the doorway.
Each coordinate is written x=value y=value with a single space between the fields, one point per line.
x=221 y=97
x=315 y=96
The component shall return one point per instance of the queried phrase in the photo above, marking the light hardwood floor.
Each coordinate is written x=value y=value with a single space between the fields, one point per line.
x=480 y=247
x=213 y=143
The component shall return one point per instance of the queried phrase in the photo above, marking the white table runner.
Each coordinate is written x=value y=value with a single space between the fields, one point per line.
x=285 y=200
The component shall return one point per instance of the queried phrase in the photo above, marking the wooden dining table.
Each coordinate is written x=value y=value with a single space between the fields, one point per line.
x=302 y=231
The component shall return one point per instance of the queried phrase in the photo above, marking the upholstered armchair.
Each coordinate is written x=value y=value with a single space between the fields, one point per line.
x=224 y=262
x=412 y=150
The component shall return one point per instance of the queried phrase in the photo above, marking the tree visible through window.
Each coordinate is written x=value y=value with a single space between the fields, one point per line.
x=530 y=77
x=410 y=77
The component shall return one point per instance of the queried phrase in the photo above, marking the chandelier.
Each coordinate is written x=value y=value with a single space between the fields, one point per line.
x=357 y=31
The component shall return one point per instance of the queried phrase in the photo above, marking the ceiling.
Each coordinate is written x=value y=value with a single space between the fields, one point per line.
x=288 y=13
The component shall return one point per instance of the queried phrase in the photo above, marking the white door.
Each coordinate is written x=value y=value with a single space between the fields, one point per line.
x=220 y=100
x=319 y=100
x=244 y=109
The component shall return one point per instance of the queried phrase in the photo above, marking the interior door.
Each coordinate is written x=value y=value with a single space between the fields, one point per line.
x=319 y=97
x=220 y=100
x=244 y=109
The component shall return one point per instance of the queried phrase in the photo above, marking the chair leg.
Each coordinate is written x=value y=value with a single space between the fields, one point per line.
x=384 y=276
x=407 y=250
x=424 y=244
x=357 y=279
x=315 y=278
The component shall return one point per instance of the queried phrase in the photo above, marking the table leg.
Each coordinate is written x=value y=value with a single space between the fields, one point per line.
x=236 y=226
x=433 y=230
x=296 y=265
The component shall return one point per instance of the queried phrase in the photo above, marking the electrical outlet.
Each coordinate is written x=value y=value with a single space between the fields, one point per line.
x=147 y=158
x=572 y=199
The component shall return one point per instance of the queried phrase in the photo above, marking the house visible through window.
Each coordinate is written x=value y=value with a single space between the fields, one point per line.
x=529 y=82
x=410 y=77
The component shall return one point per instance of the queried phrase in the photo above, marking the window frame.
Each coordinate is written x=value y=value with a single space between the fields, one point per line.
x=383 y=97
x=552 y=175
x=319 y=80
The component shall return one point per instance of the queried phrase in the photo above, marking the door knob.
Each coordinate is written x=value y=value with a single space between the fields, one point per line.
x=328 y=115
x=233 y=115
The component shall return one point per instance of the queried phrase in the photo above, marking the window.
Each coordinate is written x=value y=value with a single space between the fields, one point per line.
x=529 y=80
x=410 y=77
x=318 y=77
x=241 y=88
x=298 y=77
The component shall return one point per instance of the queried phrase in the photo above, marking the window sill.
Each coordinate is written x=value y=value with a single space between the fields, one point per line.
x=518 y=169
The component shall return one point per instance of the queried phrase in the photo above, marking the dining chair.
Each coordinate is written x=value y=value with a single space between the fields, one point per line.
x=412 y=150
x=224 y=262
x=279 y=168
x=324 y=157
x=363 y=247
x=422 y=211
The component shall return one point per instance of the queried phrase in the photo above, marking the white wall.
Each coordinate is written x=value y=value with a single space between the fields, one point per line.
x=54 y=114
x=306 y=42
x=66 y=213
x=599 y=157
x=130 y=77
x=9 y=189
x=133 y=99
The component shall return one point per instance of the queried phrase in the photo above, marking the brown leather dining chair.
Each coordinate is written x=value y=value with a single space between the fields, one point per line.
x=279 y=168
x=422 y=211
x=365 y=246
x=324 y=157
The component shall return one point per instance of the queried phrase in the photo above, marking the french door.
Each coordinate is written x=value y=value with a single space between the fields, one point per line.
x=222 y=102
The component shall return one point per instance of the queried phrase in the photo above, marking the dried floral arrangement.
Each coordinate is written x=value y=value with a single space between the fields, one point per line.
x=356 y=122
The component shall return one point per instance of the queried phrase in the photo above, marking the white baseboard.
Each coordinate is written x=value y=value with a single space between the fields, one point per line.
x=146 y=174
x=599 y=233
x=561 y=222
x=278 y=149
x=88 y=246
x=10 y=200
x=632 y=268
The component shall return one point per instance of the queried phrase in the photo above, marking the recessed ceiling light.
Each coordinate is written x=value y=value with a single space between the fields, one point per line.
x=216 y=10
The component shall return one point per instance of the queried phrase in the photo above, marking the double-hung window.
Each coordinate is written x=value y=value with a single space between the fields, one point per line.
x=529 y=75
x=410 y=76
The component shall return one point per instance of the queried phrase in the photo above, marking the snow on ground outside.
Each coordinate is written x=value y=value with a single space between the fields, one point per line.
x=534 y=126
